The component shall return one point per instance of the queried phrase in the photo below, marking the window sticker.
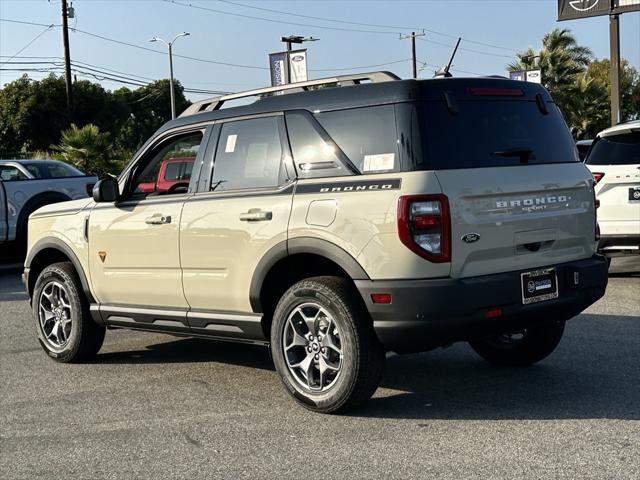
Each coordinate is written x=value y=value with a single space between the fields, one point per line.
x=231 y=144
x=379 y=162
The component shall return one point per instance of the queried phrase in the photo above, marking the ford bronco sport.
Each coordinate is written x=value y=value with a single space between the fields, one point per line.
x=334 y=224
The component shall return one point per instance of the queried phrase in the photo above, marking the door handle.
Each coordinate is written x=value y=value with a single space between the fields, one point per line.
x=158 y=219
x=256 y=215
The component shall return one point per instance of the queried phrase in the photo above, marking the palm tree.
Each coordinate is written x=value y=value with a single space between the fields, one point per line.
x=561 y=60
x=87 y=148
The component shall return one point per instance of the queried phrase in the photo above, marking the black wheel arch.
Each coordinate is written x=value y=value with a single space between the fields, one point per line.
x=50 y=250
x=298 y=247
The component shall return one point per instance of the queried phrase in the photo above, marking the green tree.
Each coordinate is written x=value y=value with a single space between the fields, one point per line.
x=561 y=60
x=147 y=109
x=34 y=113
x=87 y=148
x=599 y=71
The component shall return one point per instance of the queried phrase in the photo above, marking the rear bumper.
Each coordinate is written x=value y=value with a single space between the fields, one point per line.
x=619 y=242
x=426 y=314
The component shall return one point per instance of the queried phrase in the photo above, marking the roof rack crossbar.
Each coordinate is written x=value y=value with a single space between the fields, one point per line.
x=215 y=103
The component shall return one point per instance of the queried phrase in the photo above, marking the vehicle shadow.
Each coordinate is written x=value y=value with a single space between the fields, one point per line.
x=194 y=350
x=593 y=374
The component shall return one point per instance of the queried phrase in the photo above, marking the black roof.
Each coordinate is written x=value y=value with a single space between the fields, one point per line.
x=363 y=95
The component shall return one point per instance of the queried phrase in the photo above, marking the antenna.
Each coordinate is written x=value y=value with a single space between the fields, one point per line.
x=446 y=70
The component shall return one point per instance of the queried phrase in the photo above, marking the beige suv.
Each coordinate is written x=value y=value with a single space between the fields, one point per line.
x=334 y=224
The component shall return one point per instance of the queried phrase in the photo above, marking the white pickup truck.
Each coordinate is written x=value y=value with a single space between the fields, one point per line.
x=26 y=185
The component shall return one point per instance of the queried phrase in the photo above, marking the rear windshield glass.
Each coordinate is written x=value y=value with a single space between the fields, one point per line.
x=617 y=150
x=493 y=133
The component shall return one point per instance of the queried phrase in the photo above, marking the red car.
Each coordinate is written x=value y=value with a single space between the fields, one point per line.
x=173 y=172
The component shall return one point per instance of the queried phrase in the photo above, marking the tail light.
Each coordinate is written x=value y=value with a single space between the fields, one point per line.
x=424 y=226
x=597 y=176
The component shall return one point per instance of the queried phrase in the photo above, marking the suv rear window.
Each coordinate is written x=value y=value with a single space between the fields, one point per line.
x=492 y=133
x=621 y=149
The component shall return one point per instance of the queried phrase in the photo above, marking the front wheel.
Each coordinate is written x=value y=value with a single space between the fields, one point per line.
x=521 y=348
x=324 y=347
x=65 y=328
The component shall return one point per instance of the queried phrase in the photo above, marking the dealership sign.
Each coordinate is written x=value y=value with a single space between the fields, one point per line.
x=288 y=67
x=572 y=9
x=533 y=76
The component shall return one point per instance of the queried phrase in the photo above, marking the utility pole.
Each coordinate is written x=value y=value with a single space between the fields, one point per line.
x=67 y=57
x=614 y=42
x=414 y=61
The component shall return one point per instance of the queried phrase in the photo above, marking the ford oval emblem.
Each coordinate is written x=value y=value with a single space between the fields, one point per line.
x=297 y=58
x=470 y=237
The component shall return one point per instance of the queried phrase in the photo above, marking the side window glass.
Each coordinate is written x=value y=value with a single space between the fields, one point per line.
x=169 y=170
x=249 y=155
x=8 y=173
x=313 y=155
x=366 y=135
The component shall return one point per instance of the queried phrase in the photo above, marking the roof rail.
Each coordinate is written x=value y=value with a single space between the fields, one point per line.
x=215 y=103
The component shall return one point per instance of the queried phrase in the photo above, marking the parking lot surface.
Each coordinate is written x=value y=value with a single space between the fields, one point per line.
x=156 y=406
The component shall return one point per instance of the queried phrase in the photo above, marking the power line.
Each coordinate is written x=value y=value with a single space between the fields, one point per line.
x=28 y=44
x=174 y=2
x=435 y=42
x=297 y=24
x=360 y=67
x=324 y=19
x=435 y=32
x=103 y=76
x=229 y=64
x=23 y=22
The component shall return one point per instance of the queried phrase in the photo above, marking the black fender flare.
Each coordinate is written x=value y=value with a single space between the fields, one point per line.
x=54 y=243
x=298 y=245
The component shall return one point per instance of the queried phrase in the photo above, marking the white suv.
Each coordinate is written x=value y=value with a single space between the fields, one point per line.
x=614 y=161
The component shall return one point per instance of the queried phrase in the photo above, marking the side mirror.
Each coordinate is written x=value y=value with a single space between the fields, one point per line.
x=106 y=190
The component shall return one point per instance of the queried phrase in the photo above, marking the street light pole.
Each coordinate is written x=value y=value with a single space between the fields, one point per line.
x=170 y=47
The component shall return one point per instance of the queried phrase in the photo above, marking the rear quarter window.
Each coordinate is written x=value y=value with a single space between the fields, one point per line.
x=621 y=149
x=366 y=135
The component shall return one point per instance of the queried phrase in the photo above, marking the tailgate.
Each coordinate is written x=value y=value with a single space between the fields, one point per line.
x=525 y=216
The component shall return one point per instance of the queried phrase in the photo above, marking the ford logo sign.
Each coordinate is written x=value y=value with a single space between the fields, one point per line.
x=297 y=58
x=470 y=237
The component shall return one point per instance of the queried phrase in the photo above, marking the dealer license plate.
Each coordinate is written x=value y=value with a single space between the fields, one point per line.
x=539 y=285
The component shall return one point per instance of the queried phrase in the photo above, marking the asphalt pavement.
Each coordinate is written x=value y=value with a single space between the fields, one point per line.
x=154 y=406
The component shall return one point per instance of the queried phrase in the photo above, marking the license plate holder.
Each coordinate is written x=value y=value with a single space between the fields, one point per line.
x=634 y=194
x=539 y=285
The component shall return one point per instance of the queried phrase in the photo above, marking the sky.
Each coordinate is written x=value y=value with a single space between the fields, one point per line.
x=354 y=35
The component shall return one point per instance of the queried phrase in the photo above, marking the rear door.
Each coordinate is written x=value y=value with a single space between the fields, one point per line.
x=615 y=163
x=240 y=212
x=510 y=170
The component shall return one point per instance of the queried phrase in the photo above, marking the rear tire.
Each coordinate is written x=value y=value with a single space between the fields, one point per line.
x=66 y=331
x=530 y=346
x=324 y=346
